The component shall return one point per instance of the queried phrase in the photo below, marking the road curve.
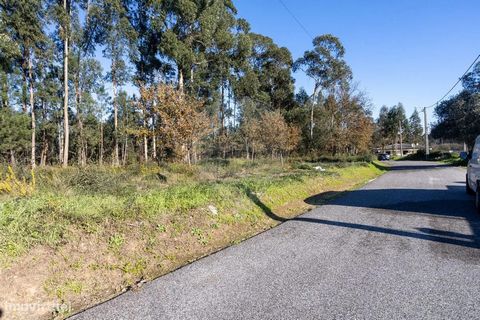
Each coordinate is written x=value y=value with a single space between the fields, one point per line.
x=405 y=246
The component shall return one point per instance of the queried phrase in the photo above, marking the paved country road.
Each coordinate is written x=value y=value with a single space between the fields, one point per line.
x=405 y=246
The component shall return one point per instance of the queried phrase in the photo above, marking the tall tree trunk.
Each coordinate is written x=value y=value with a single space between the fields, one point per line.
x=154 y=139
x=145 y=141
x=82 y=156
x=180 y=80
x=44 y=152
x=125 y=150
x=66 y=128
x=222 y=109
x=4 y=94
x=154 y=147
x=100 y=156
x=60 y=143
x=13 y=162
x=314 y=101
x=32 y=109
x=115 y=115
x=25 y=85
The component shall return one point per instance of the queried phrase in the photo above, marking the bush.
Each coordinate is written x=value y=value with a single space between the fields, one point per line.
x=11 y=184
x=433 y=156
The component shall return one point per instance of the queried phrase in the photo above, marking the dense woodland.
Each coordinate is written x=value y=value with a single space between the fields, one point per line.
x=186 y=80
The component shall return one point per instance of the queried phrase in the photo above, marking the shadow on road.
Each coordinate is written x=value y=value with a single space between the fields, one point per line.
x=452 y=203
x=400 y=165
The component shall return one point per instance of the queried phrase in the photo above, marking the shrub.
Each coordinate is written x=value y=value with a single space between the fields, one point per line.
x=12 y=185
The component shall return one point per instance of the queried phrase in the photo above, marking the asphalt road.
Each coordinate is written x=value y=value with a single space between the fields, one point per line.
x=406 y=246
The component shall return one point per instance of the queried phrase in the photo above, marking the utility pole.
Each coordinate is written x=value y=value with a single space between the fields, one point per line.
x=401 y=138
x=427 y=147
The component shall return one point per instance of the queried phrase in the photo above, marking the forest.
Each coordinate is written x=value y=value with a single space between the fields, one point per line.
x=119 y=82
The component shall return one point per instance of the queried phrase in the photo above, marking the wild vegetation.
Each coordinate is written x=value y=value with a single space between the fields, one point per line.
x=136 y=136
x=179 y=81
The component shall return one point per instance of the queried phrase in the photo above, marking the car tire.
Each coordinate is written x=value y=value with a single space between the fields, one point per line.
x=469 y=190
x=477 y=197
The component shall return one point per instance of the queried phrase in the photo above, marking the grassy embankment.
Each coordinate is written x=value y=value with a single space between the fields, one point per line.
x=80 y=236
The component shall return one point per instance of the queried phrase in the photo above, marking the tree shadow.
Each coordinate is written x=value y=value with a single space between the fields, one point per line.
x=452 y=203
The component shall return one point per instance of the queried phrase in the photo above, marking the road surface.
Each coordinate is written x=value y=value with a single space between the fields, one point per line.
x=405 y=246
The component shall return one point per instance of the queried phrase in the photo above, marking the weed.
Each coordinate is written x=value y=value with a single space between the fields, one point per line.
x=115 y=242
x=161 y=228
x=135 y=268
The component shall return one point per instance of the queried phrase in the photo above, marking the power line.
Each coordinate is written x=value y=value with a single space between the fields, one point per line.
x=456 y=83
x=427 y=148
x=296 y=19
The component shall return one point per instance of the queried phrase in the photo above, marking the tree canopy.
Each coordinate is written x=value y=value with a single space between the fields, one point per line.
x=120 y=81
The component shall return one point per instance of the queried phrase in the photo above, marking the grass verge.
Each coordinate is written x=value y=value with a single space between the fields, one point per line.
x=85 y=235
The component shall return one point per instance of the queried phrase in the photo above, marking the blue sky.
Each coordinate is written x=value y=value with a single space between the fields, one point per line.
x=409 y=51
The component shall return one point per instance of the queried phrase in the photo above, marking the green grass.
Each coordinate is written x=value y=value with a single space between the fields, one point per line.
x=88 y=198
x=117 y=226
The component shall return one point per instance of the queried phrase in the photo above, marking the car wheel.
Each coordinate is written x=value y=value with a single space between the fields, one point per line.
x=477 y=197
x=469 y=190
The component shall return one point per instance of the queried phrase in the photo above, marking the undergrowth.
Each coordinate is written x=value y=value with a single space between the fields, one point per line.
x=89 y=198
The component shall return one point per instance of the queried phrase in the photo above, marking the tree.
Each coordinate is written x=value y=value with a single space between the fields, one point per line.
x=118 y=36
x=276 y=135
x=182 y=121
x=380 y=135
x=24 y=20
x=415 y=127
x=458 y=118
x=325 y=65
x=9 y=54
x=64 y=12
x=268 y=75
x=471 y=81
x=14 y=134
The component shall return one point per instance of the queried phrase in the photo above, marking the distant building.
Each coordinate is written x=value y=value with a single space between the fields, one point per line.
x=395 y=149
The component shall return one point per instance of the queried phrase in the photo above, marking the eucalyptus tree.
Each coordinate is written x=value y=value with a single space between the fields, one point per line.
x=24 y=21
x=65 y=13
x=118 y=36
x=149 y=21
x=273 y=66
x=415 y=128
x=325 y=64
x=88 y=83
x=85 y=71
x=9 y=54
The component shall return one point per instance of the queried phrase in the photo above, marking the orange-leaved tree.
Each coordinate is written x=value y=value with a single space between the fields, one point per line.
x=181 y=121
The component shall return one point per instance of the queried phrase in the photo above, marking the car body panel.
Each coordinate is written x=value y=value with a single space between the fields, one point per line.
x=473 y=170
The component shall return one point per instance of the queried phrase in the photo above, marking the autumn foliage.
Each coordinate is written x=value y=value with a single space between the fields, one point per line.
x=180 y=121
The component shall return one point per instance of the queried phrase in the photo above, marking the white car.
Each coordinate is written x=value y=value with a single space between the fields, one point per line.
x=473 y=173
